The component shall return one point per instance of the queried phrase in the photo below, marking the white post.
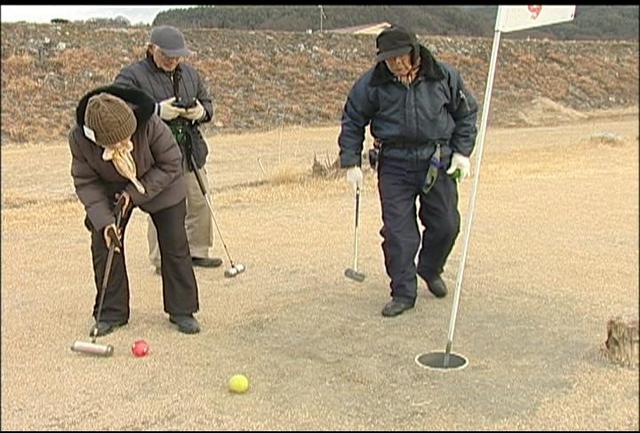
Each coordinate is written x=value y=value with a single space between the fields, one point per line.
x=472 y=199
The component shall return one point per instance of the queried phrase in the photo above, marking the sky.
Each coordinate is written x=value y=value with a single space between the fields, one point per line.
x=44 y=13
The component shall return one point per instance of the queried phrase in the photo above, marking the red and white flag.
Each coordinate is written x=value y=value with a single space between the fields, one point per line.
x=512 y=18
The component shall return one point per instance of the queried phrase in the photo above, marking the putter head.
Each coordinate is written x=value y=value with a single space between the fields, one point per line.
x=234 y=270
x=354 y=275
x=92 y=348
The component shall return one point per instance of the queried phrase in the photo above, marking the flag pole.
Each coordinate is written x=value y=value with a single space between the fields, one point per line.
x=508 y=19
x=472 y=199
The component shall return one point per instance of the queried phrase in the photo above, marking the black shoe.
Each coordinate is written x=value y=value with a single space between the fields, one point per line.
x=395 y=307
x=186 y=323
x=106 y=327
x=436 y=286
x=206 y=262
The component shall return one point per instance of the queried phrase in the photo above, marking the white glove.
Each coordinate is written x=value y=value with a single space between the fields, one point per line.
x=168 y=111
x=461 y=163
x=354 y=177
x=194 y=113
x=127 y=201
x=112 y=234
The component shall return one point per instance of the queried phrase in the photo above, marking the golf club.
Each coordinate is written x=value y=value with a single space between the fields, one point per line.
x=235 y=269
x=94 y=348
x=353 y=273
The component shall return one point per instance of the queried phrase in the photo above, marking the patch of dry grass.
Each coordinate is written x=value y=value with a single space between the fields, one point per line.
x=286 y=174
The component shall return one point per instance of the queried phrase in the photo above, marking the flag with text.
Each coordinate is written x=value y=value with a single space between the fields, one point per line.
x=512 y=18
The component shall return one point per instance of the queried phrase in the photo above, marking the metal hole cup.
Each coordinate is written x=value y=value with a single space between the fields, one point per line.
x=436 y=361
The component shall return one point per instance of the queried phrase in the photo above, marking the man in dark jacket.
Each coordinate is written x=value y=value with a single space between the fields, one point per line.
x=423 y=121
x=183 y=102
x=119 y=147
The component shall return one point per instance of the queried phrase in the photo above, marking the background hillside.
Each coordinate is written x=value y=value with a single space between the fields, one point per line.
x=264 y=79
x=590 y=22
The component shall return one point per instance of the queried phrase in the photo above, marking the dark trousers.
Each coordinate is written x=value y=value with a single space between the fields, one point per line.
x=179 y=288
x=399 y=184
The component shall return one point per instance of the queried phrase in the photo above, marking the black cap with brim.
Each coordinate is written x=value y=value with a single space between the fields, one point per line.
x=393 y=53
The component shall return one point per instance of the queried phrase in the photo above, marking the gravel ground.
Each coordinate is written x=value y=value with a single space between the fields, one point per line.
x=553 y=256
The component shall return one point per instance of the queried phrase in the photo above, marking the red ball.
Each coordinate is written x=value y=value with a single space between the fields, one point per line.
x=140 y=348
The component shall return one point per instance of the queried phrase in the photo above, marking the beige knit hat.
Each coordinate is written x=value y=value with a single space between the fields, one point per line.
x=110 y=119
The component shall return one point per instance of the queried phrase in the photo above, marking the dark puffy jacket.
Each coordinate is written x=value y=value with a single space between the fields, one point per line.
x=159 y=84
x=436 y=107
x=155 y=152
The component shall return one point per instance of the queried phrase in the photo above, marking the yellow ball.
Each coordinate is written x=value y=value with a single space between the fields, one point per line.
x=238 y=383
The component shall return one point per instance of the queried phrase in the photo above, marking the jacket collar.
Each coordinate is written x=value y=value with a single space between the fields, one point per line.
x=156 y=68
x=142 y=104
x=429 y=69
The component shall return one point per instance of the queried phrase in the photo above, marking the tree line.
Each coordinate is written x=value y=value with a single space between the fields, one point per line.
x=590 y=22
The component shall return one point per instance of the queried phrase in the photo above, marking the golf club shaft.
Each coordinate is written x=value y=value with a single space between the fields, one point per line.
x=213 y=218
x=105 y=281
x=107 y=267
x=355 y=231
x=206 y=198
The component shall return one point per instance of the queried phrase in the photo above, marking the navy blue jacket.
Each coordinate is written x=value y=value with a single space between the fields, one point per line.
x=436 y=107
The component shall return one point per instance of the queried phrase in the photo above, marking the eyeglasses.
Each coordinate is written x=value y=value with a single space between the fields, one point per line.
x=166 y=58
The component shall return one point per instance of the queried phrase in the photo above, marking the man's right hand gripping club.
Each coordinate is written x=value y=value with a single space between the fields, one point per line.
x=354 y=177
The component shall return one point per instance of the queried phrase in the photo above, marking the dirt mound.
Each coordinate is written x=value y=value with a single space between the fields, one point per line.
x=261 y=80
x=544 y=111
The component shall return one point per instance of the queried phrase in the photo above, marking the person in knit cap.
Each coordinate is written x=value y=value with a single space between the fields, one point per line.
x=121 y=150
x=423 y=121
x=184 y=103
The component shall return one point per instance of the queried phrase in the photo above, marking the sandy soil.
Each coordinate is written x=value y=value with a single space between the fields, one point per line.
x=553 y=256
